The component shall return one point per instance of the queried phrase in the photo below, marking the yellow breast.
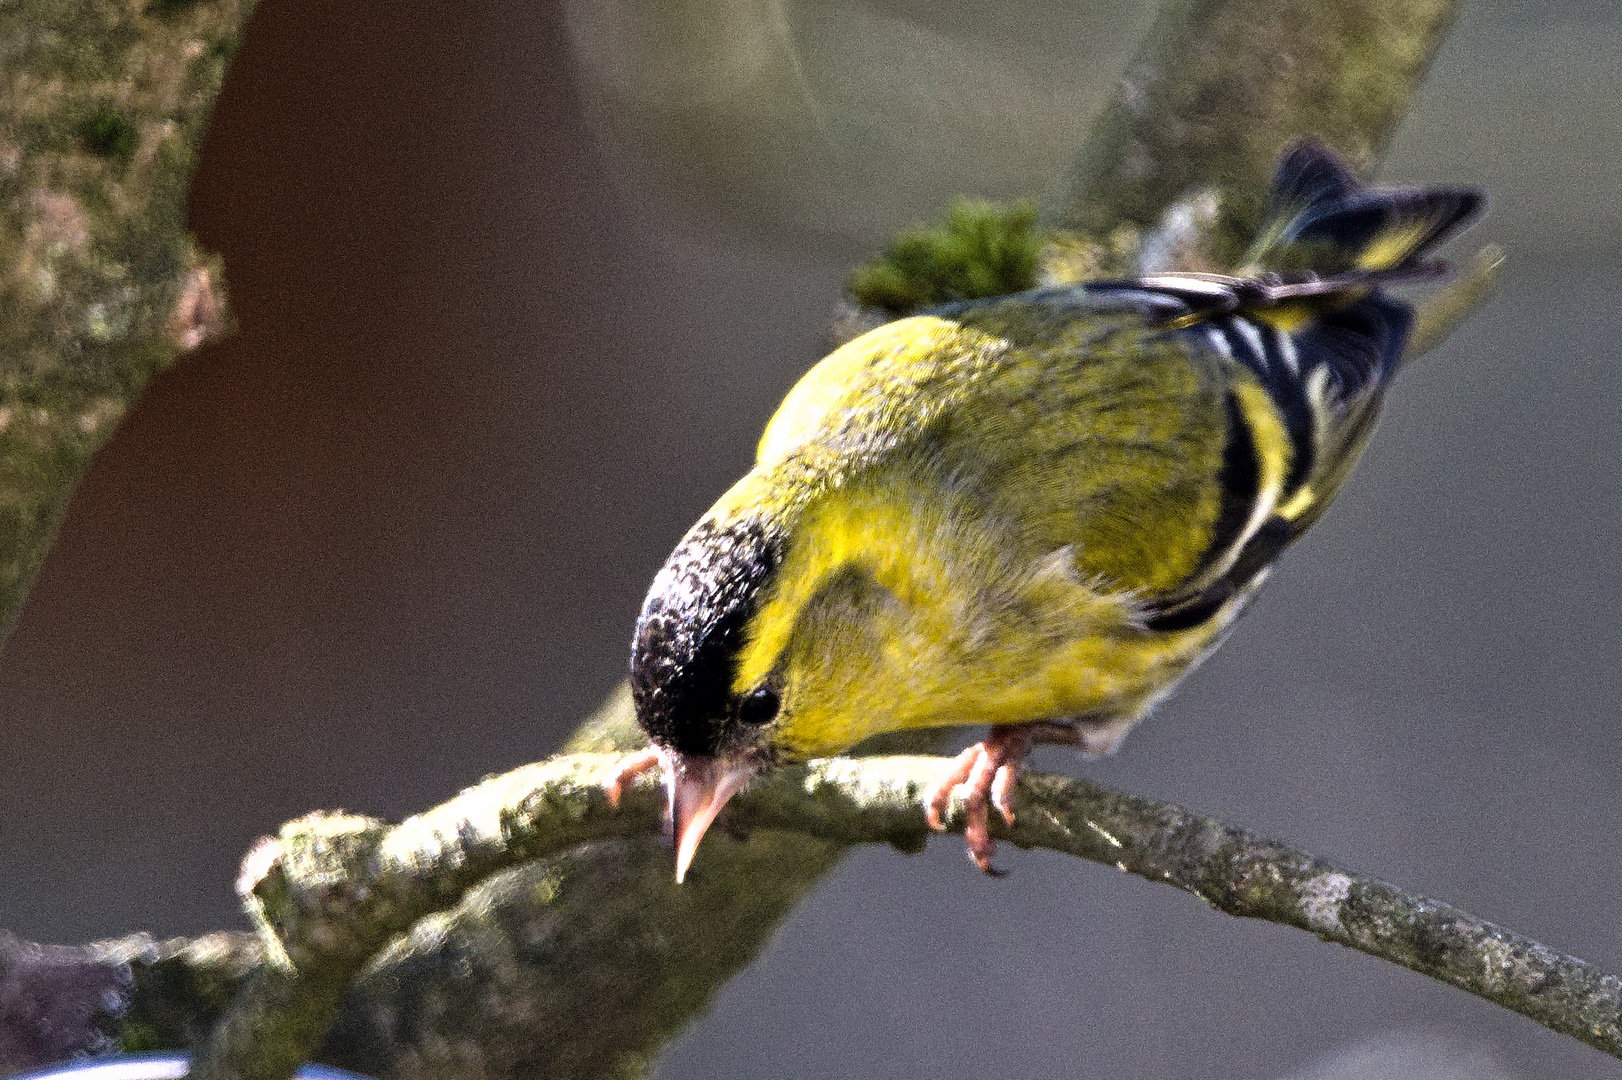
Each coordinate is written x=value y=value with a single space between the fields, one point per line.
x=901 y=607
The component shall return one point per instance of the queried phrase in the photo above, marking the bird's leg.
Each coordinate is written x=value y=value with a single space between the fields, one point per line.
x=629 y=769
x=987 y=771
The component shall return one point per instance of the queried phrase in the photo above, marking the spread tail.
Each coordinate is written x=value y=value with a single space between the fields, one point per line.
x=1323 y=221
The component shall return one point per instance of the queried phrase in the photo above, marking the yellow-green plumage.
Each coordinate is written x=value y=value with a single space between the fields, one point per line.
x=976 y=506
x=1041 y=507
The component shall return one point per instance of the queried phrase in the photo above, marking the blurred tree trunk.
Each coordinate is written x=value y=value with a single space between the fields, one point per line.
x=102 y=106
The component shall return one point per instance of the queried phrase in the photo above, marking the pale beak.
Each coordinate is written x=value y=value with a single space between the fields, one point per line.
x=699 y=787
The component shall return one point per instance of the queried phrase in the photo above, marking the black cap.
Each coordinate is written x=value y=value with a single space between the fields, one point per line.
x=685 y=652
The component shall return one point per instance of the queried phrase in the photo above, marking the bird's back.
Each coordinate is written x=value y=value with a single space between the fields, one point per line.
x=1061 y=418
x=1053 y=504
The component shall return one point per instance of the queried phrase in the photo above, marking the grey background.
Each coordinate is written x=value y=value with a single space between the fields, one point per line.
x=499 y=345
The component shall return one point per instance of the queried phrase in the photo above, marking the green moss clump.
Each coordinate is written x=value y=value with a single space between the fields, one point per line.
x=982 y=249
x=109 y=134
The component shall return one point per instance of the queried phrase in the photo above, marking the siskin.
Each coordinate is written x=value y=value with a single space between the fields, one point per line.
x=1038 y=511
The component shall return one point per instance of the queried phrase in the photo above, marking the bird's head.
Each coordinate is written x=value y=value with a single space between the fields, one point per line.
x=713 y=735
x=786 y=626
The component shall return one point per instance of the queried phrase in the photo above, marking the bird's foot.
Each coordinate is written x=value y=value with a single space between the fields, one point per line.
x=987 y=772
x=628 y=770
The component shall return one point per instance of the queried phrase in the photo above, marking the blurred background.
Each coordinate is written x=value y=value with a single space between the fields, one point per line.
x=517 y=286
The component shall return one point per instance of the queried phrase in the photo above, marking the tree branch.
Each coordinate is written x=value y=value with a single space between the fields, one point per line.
x=1441 y=313
x=102 y=105
x=333 y=886
x=1219 y=87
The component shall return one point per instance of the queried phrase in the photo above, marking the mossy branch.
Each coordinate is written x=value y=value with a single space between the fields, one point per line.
x=333 y=888
x=102 y=106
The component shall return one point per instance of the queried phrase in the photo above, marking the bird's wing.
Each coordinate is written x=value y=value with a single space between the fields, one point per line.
x=1157 y=441
x=1323 y=380
x=1104 y=433
x=1067 y=417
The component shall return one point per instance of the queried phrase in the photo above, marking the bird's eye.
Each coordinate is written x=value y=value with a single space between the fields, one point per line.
x=758 y=707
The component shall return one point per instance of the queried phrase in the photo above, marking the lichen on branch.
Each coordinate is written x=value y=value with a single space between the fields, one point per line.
x=333 y=888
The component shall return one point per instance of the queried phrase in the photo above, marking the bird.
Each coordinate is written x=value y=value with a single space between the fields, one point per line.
x=1037 y=511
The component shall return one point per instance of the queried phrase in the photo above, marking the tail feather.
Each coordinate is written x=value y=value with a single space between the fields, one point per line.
x=1309 y=172
x=1321 y=219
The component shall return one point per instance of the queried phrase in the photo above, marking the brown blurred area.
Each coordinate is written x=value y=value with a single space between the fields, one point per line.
x=492 y=359
x=391 y=534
